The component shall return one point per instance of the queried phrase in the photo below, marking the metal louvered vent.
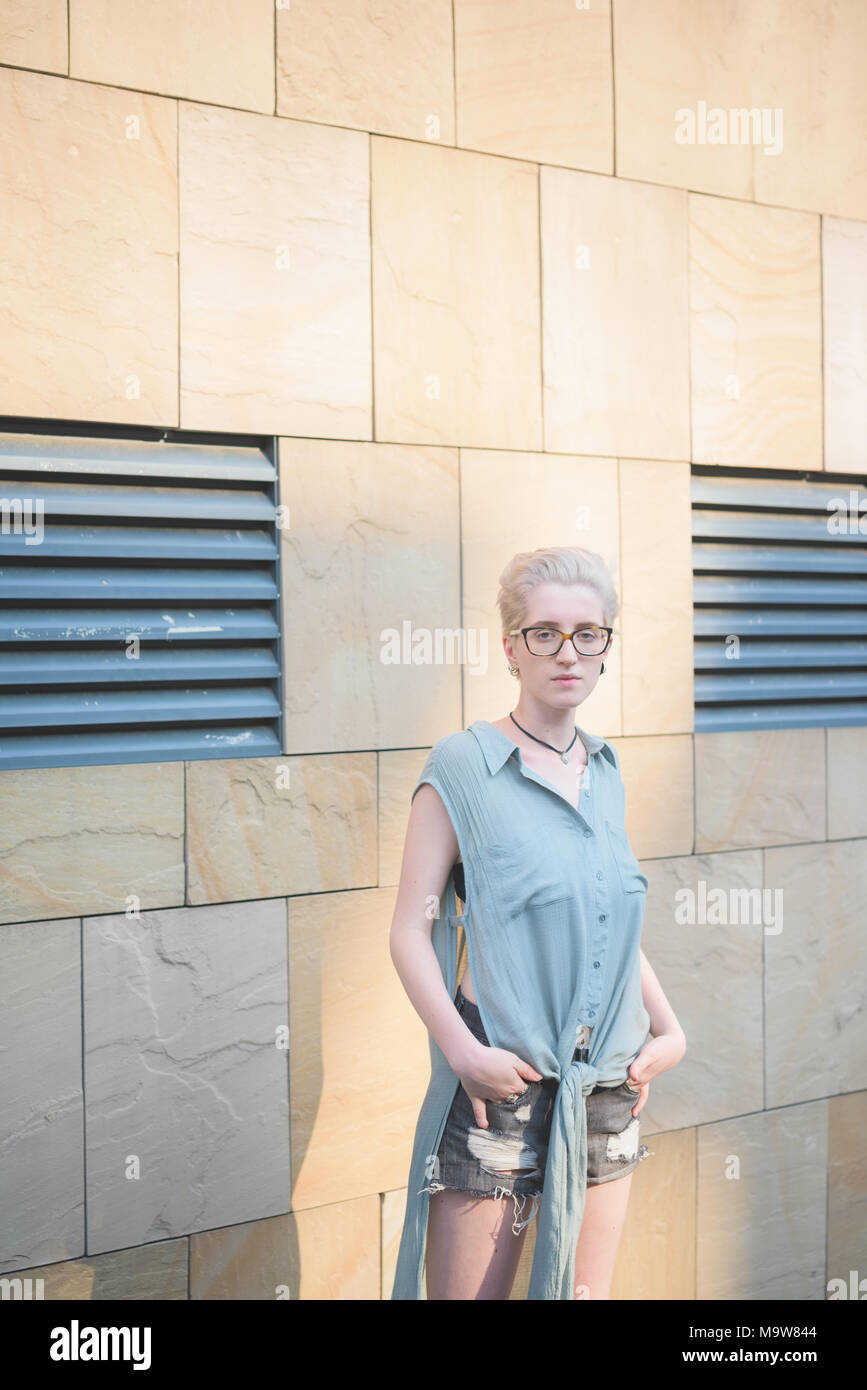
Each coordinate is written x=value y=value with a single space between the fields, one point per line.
x=139 y=619
x=780 y=582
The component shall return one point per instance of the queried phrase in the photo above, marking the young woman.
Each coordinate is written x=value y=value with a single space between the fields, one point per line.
x=540 y=1060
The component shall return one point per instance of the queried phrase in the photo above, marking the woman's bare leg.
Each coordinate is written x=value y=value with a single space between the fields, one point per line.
x=472 y=1252
x=598 y=1240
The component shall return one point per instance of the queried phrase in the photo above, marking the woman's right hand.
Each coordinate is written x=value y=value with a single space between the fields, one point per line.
x=493 y=1074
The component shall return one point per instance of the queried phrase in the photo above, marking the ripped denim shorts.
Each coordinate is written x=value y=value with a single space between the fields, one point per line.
x=482 y=1162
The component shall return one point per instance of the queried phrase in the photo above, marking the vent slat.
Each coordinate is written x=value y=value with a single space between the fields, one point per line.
x=58 y=455
x=88 y=666
x=136 y=504
x=819 y=592
x=711 y=719
x=125 y=583
x=753 y=651
x=769 y=526
x=815 y=685
x=86 y=748
x=147 y=706
x=725 y=489
x=798 y=559
x=139 y=542
x=150 y=624
x=777 y=622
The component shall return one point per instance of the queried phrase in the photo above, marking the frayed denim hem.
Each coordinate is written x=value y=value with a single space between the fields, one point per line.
x=499 y=1192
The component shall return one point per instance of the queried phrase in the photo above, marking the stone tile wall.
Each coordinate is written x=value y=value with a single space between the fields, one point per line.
x=456 y=256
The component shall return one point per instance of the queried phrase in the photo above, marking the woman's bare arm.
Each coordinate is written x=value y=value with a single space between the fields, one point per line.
x=662 y=1016
x=430 y=849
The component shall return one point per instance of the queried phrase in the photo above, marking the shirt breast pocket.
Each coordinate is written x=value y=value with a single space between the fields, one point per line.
x=632 y=880
x=526 y=873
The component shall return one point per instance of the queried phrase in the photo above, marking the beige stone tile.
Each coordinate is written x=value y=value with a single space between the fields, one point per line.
x=844 y=300
x=262 y=827
x=761 y=1205
x=185 y=1017
x=275 y=275
x=847 y=1186
x=116 y=839
x=145 y=1272
x=386 y=68
x=42 y=1208
x=668 y=57
x=329 y=1253
x=371 y=558
x=809 y=63
x=759 y=787
x=33 y=34
x=398 y=774
x=755 y=335
x=535 y=81
x=359 y=1053
x=656 y=1256
x=89 y=251
x=847 y=777
x=658 y=775
x=815 y=972
x=220 y=51
x=455 y=296
x=798 y=65
x=656 y=541
x=521 y=1284
x=703 y=938
x=614 y=311
x=516 y=502
x=255 y=1260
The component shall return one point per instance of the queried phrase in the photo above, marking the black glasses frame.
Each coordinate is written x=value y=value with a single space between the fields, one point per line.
x=548 y=627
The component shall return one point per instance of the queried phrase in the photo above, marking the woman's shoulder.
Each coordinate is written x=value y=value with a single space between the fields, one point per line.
x=452 y=767
x=454 y=749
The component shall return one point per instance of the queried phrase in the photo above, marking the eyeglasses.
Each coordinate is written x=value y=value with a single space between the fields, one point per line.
x=590 y=640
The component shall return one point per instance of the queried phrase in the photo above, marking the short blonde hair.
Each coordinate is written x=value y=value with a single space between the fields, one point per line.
x=567 y=564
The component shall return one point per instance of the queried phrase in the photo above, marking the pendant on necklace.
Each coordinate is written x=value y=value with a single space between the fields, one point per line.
x=565 y=756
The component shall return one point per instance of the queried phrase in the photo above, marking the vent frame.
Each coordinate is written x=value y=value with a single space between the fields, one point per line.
x=145 y=532
x=766 y=568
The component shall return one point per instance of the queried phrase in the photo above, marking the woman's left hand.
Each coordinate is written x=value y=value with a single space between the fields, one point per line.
x=662 y=1052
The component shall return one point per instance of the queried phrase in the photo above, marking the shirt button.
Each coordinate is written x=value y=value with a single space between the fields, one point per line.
x=599 y=875
x=602 y=916
x=592 y=1013
x=587 y=834
x=595 y=965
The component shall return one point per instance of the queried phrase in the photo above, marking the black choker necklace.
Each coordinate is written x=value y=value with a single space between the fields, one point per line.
x=564 y=756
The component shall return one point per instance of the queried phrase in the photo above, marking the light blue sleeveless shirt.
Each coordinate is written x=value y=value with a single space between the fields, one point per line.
x=553 y=916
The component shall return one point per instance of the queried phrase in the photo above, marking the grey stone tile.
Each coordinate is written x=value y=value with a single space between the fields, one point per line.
x=816 y=972
x=761 y=1205
x=187 y=1092
x=41 y=1112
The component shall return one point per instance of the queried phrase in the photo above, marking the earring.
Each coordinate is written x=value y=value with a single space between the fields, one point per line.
x=602 y=669
x=513 y=670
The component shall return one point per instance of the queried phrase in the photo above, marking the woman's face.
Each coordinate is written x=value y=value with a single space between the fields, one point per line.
x=564 y=606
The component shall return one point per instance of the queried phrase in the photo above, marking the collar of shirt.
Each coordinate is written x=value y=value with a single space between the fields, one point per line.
x=498 y=747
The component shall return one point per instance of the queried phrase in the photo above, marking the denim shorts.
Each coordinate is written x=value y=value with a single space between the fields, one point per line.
x=477 y=1161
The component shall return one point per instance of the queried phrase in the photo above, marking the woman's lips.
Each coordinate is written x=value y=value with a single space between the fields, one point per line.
x=566 y=679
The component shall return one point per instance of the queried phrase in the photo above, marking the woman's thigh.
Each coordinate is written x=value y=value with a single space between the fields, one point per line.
x=472 y=1250
x=599 y=1239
